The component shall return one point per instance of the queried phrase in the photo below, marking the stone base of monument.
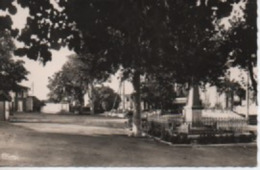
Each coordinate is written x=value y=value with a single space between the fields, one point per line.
x=193 y=108
x=193 y=116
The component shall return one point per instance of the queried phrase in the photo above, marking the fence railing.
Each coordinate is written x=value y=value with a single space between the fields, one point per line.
x=219 y=125
x=176 y=130
x=206 y=124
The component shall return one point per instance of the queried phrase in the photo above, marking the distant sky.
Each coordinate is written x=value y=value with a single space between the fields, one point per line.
x=38 y=77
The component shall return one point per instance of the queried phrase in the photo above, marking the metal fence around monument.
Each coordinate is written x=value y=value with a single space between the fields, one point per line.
x=206 y=124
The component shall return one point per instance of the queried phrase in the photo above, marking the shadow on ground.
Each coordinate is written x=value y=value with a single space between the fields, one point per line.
x=55 y=144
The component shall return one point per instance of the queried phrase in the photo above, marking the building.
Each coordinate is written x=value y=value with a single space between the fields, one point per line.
x=19 y=97
x=55 y=108
x=33 y=104
x=4 y=105
x=127 y=102
x=22 y=102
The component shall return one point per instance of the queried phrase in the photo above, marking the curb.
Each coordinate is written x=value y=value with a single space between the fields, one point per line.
x=201 y=145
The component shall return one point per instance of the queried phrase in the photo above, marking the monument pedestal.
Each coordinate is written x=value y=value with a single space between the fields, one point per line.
x=193 y=116
x=193 y=108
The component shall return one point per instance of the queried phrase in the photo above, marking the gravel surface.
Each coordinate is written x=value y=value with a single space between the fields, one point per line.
x=72 y=140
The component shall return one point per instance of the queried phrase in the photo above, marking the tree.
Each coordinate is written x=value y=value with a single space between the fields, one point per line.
x=105 y=99
x=5 y=20
x=194 y=51
x=141 y=36
x=102 y=34
x=231 y=88
x=96 y=69
x=70 y=83
x=11 y=72
x=158 y=92
x=77 y=77
x=243 y=41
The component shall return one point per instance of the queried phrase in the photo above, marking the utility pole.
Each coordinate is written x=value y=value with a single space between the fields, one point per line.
x=247 y=95
x=32 y=88
x=123 y=95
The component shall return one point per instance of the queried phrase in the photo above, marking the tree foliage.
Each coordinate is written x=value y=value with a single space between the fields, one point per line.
x=76 y=78
x=158 y=92
x=243 y=41
x=105 y=99
x=131 y=33
x=5 y=20
x=70 y=83
x=11 y=72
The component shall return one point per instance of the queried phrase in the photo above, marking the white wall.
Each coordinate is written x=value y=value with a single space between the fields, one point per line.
x=212 y=97
x=54 y=108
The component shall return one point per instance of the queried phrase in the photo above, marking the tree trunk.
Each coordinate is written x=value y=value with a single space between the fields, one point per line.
x=161 y=107
x=227 y=100
x=81 y=104
x=91 y=98
x=254 y=82
x=231 y=99
x=137 y=112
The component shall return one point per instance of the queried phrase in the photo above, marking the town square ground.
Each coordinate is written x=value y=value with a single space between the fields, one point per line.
x=79 y=140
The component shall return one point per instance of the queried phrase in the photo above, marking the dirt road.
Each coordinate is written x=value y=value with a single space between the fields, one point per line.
x=72 y=140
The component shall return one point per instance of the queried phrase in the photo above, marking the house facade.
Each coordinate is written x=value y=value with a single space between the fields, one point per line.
x=4 y=106
x=19 y=97
x=23 y=102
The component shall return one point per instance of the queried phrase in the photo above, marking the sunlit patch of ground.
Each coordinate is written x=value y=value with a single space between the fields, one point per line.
x=72 y=129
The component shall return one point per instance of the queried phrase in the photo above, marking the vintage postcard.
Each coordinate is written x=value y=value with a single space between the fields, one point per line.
x=133 y=83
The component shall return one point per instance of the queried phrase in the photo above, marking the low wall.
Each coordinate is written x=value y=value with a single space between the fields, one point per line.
x=54 y=108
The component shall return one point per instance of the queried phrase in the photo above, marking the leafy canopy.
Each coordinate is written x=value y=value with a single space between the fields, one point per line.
x=11 y=72
x=105 y=99
x=147 y=36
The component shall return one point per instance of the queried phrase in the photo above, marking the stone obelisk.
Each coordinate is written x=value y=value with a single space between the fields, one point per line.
x=193 y=108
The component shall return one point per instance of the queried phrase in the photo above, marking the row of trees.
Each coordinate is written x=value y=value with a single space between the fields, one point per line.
x=180 y=38
x=75 y=80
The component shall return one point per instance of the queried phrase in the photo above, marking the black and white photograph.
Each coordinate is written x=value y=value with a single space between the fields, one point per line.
x=128 y=83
